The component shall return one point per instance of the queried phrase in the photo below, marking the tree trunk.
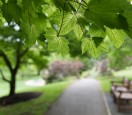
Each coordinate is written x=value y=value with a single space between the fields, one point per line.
x=13 y=71
x=12 y=84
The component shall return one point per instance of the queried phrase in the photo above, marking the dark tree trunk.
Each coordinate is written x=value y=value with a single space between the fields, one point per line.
x=12 y=84
x=14 y=70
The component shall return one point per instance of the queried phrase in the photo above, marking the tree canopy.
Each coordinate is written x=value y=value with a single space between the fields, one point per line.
x=49 y=21
x=14 y=53
x=121 y=58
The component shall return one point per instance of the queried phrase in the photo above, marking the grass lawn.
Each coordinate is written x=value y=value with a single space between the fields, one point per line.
x=39 y=105
x=20 y=85
x=124 y=73
x=105 y=82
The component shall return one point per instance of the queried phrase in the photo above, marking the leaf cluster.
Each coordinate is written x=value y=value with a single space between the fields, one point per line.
x=92 y=21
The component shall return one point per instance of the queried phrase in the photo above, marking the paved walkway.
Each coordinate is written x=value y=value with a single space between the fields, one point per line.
x=82 y=98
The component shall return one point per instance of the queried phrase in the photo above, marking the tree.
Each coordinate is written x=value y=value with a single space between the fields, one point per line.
x=115 y=56
x=38 y=56
x=12 y=51
x=91 y=21
x=57 y=70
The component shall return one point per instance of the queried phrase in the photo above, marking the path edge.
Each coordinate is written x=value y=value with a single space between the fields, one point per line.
x=105 y=101
x=50 y=106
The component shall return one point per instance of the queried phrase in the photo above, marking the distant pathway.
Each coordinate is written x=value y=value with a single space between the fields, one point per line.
x=82 y=98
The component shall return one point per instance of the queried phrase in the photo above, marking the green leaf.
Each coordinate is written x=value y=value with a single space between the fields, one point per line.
x=56 y=17
x=11 y=11
x=89 y=45
x=86 y=1
x=104 y=12
x=32 y=23
x=34 y=29
x=116 y=36
x=104 y=47
x=48 y=10
x=95 y=31
x=68 y=23
x=50 y=34
x=83 y=21
x=31 y=31
x=128 y=16
x=59 y=44
x=78 y=31
x=60 y=5
x=98 y=40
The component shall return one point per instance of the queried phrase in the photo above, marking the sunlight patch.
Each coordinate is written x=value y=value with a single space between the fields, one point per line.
x=39 y=82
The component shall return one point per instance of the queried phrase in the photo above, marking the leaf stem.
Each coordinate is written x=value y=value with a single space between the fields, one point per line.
x=85 y=2
x=62 y=20
x=29 y=14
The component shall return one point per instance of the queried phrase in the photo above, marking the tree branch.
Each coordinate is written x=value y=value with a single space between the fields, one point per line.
x=19 y=55
x=3 y=77
x=7 y=61
x=18 y=58
x=24 y=52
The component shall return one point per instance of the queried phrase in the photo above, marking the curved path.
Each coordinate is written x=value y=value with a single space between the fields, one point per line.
x=83 y=97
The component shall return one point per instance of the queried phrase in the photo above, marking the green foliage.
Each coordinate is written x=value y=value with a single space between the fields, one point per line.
x=13 y=53
x=88 y=63
x=88 y=44
x=10 y=11
x=38 y=59
x=102 y=12
x=68 y=24
x=95 y=31
x=10 y=43
x=116 y=36
x=59 y=44
x=34 y=29
x=87 y=18
x=78 y=31
x=105 y=83
x=128 y=17
x=122 y=57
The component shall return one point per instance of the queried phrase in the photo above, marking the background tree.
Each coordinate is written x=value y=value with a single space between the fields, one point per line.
x=14 y=53
x=12 y=50
x=38 y=56
x=122 y=57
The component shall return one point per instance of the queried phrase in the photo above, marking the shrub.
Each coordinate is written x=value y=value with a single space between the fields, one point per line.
x=60 y=69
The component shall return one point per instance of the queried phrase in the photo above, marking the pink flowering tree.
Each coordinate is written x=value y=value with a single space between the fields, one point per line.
x=60 y=69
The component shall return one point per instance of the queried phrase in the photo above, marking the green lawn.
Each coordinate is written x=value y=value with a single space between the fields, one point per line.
x=39 y=105
x=105 y=82
x=124 y=73
x=20 y=85
x=118 y=75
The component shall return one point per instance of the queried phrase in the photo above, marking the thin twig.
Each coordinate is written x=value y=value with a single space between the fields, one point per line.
x=7 y=61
